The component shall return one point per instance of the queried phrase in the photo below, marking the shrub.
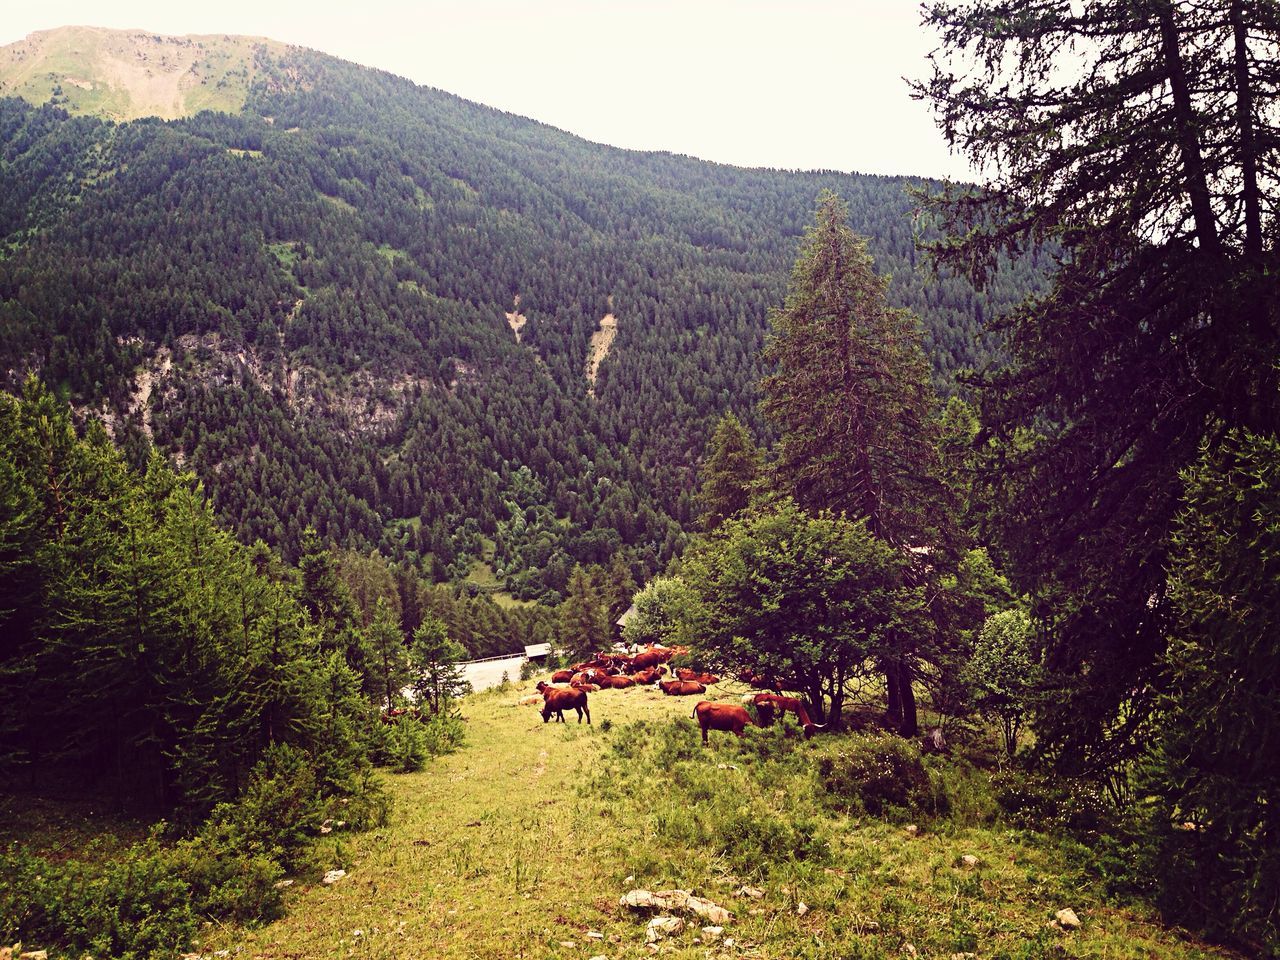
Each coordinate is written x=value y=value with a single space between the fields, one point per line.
x=881 y=775
x=280 y=809
x=1076 y=807
x=443 y=733
x=408 y=746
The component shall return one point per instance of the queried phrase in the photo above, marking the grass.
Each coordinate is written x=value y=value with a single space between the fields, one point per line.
x=524 y=840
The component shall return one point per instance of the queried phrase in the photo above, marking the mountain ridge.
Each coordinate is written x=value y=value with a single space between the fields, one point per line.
x=330 y=269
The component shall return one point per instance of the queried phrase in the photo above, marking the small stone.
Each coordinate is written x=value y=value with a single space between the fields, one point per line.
x=357 y=933
x=730 y=943
x=755 y=893
x=712 y=934
x=599 y=956
x=34 y=955
x=568 y=943
x=801 y=908
x=1067 y=919
x=912 y=830
x=630 y=879
x=969 y=860
x=726 y=766
x=333 y=876
x=661 y=927
x=909 y=949
x=964 y=956
x=283 y=884
x=594 y=935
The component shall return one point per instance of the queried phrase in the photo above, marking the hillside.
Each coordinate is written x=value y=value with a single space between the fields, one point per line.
x=306 y=300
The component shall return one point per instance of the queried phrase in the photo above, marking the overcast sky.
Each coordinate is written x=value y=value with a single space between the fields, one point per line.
x=779 y=83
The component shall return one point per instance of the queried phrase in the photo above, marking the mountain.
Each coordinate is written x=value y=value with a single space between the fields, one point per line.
x=461 y=337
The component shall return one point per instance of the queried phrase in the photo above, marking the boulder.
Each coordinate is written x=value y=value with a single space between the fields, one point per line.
x=333 y=876
x=675 y=901
x=969 y=860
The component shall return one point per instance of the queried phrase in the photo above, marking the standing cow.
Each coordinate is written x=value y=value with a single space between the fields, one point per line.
x=721 y=716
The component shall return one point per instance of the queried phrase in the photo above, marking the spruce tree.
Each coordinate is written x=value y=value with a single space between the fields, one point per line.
x=852 y=400
x=729 y=475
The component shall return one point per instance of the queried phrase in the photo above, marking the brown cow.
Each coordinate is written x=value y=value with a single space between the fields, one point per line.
x=681 y=688
x=559 y=699
x=644 y=661
x=620 y=683
x=721 y=716
x=562 y=676
x=684 y=673
x=646 y=676
x=771 y=702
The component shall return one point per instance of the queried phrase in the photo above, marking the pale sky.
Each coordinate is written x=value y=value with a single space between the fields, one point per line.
x=780 y=83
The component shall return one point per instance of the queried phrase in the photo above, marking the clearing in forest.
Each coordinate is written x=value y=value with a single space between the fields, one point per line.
x=515 y=319
x=598 y=349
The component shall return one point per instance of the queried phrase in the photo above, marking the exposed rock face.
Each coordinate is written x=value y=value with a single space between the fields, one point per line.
x=676 y=901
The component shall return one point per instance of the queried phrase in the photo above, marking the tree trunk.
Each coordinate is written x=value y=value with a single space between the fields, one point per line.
x=893 y=708
x=909 y=725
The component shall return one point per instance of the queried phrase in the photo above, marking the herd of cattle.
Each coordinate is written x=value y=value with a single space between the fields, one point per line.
x=568 y=690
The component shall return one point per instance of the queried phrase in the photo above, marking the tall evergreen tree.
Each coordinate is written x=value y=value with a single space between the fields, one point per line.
x=852 y=398
x=729 y=475
x=1137 y=137
x=584 y=623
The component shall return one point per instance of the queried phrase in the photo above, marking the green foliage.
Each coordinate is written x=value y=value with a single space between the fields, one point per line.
x=433 y=663
x=1218 y=773
x=664 y=614
x=584 y=619
x=809 y=599
x=729 y=476
x=1058 y=805
x=407 y=750
x=1004 y=672
x=881 y=775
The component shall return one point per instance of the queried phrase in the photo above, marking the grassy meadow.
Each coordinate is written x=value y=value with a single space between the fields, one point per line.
x=521 y=843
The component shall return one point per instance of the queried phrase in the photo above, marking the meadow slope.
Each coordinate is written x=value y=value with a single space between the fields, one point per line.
x=521 y=844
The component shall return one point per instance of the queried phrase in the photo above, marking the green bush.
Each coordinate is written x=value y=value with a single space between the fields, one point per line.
x=1075 y=807
x=408 y=746
x=280 y=810
x=881 y=775
x=443 y=733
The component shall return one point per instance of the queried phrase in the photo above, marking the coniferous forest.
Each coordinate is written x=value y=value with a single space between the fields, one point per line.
x=307 y=402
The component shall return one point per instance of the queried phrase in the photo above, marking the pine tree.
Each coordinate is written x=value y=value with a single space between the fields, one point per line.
x=584 y=625
x=388 y=662
x=729 y=474
x=433 y=662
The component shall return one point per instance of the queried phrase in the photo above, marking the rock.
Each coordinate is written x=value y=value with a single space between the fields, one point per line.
x=357 y=933
x=726 y=766
x=594 y=935
x=333 y=876
x=964 y=956
x=568 y=943
x=755 y=893
x=712 y=934
x=730 y=943
x=661 y=927
x=969 y=860
x=909 y=949
x=630 y=879
x=912 y=830
x=674 y=901
x=801 y=908
x=599 y=956
x=1067 y=919
x=283 y=884
x=34 y=955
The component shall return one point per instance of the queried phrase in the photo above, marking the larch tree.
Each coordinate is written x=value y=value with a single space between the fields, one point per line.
x=1138 y=139
x=852 y=400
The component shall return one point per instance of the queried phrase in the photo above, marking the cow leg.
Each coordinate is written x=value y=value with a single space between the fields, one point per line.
x=587 y=711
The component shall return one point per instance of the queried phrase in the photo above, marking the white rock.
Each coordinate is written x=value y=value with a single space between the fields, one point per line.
x=333 y=876
x=676 y=901
x=969 y=860
x=594 y=935
x=283 y=884
x=712 y=934
x=964 y=956
x=600 y=956
x=660 y=927
x=1067 y=918
x=34 y=955
x=357 y=933
x=755 y=893
x=912 y=830
x=909 y=949
x=801 y=909
x=568 y=943
x=630 y=879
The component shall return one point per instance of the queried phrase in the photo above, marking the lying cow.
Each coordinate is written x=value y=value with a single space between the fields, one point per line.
x=685 y=673
x=681 y=688
x=767 y=703
x=559 y=699
x=721 y=716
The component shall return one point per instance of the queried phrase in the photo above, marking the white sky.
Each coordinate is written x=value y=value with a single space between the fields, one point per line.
x=780 y=83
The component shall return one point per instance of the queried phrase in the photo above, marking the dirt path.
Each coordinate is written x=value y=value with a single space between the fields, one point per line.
x=598 y=349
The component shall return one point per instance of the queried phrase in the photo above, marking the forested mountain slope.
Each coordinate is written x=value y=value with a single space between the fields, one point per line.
x=311 y=303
